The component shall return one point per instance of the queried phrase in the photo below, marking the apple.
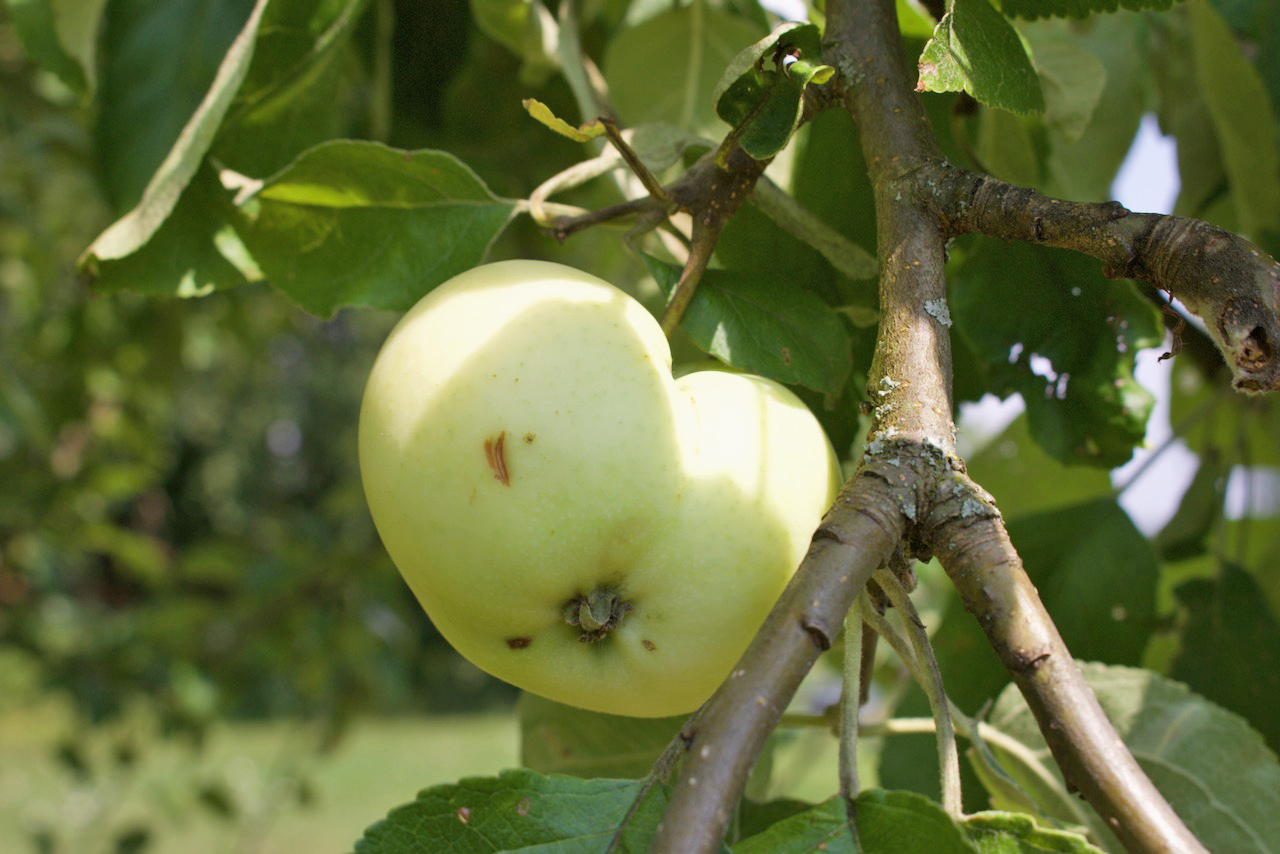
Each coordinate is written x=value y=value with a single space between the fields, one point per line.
x=573 y=519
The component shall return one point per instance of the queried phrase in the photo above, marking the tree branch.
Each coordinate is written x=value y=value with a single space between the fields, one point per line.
x=728 y=733
x=911 y=380
x=1220 y=276
x=974 y=548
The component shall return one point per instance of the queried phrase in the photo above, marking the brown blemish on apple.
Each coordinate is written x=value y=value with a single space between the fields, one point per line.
x=494 y=455
x=528 y=438
x=519 y=643
x=649 y=645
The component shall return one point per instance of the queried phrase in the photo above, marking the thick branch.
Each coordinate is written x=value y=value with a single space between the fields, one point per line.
x=971 y=542
x=726 y=736
x=1220 y=276
x=911 y=378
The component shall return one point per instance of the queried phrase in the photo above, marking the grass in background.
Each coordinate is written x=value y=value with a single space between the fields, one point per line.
x=255 y=787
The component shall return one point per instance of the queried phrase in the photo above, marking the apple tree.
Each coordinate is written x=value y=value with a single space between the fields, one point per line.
x=894 y=209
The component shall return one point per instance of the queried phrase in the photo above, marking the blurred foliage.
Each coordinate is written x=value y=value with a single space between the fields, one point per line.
x=181 y=517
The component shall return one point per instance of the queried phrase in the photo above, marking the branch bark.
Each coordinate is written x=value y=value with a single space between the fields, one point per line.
x=902 y=157
x=1219 y=276
x=727 y=734
x=974 y=548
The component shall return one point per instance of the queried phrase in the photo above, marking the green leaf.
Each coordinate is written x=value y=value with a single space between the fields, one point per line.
x=60 y=36
x=666 y=68
x=975 y=49
x=1006 y=149
x=561 y=739
x=1084 y=167
x=1015 y=833
x=763 y=99
x=1213 y=769
x=518 y=810
x=1014 y=470
x=1220 y=422
x=293 y=95
x=1046 y=323
x=764 y=325
x=1242 y=116
x=1230 y=647
x=1097 y=575
x=888 y=823
x=359 y=223
x=1198 y=511
x=525 y=27
x=1072 y=78
x=1075 y=8
x=192 y=254
x=129 y=233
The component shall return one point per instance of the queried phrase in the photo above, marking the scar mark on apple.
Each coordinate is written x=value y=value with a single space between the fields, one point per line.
x=493 y=452
x=519 y=643
x=786 y=355
x=528 y=438
x=463 y=814
x=649 y=645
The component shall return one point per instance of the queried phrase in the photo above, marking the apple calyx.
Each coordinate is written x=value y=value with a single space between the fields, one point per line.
x=596 y=614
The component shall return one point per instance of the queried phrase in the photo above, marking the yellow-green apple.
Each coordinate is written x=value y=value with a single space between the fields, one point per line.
x=572 y=518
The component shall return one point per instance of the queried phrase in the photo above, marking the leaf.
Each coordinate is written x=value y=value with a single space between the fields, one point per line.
x=1075 y=8
x=563 y=739
x=193 y=253
x=764 y=325
x=1084 y=167
x=359 y=223
x=293 y=94
x=1097 y=575
x=583 y=133
x=1045 y=322
x=1213 y=769
x=1071 y=77
x=762 y=99
x=1005 y=147
x=46 y=26
x=1224 y=423
x=1229 y=648
x=975 y=49
x=1015 y=833
x=525 y=28
x=666 y=68
x=1242 y=116
x=517 y=810
x=1198 y=511
x=129 y=233
x=1014 y=470
x=888 y=823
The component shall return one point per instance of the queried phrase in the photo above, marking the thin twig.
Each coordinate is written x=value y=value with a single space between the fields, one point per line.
x=850 y=704
x=930 y=678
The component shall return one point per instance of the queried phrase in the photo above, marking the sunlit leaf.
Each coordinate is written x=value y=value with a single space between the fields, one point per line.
x=1187 y=746
x=765 y=326
x=361 y=223
x=666 y=68
x=976 y=50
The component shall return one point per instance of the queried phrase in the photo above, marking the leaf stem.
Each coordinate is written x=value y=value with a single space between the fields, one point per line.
x=850 y=703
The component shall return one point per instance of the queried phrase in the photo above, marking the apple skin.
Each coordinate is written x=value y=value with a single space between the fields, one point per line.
x=523 y=444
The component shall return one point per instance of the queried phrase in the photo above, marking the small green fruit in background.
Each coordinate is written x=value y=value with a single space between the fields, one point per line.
x=573 y=519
